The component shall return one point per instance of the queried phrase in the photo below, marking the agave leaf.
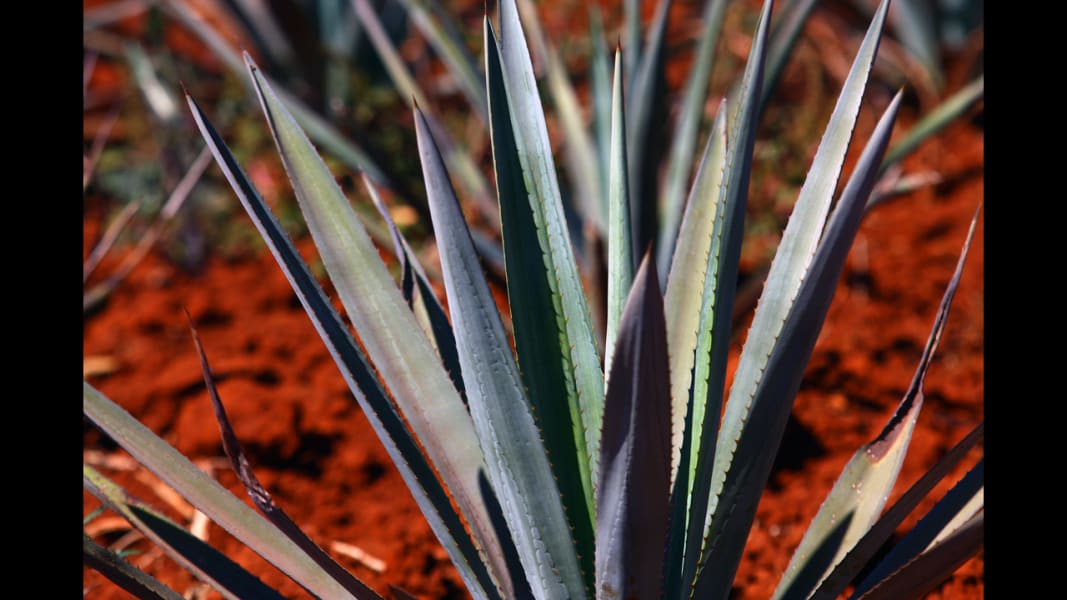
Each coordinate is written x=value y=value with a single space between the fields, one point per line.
x=584 y=379
x=196 y=556
x=414 y=468
x=534 y=304
x=862 y=552
x=441 y=30
x=930 y=568
x=123 y=574
x=420 y=295
x=689 y=306
x=787 y=28
x=683 y=146
x=647 y=104
x=259 y=494
x=207 y=495
x=519 y=470
x=315 y=126
x=394 y=341
x=694 y=259
x=578 y=148
x=620 y=252
x=861 y=491
x=734 y=509
x=720 y=281
x=965 y=500
x=632 y=494
x=792 y=260
x=473 y=181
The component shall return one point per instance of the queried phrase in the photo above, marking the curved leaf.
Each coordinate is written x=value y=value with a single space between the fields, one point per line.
x=861 y=491
x=947 y=517
x=395 y=342
x=862 y=552
x=414 y=468
x=208 y=495
x=262 y=498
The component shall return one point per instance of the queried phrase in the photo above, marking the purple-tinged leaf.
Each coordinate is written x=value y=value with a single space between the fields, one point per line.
x=633 y=490
x=259 y=494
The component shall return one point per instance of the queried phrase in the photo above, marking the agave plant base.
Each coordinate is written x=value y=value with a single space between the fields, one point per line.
x=317 y=454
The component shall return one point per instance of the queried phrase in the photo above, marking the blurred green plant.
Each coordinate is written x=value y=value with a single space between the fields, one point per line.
x=551 y=472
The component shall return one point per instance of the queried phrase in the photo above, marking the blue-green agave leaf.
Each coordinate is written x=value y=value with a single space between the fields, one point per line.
x=683 y=145
x=259 y=494
x=541 y=360
x=633 y=490
x=861 y=491
x=620 y=252
x=208 y=495
x=926 y=571
x=361 y=378
x=690 y=308
x=579 y=151
x=720 y=282
x=695 y=258
x=533 y=302
x=419 y=294
x=733 y=510
x=123 y=574
x=519 y=470
x=861 y=554
x=199 y=558
x=792 y=261
x=576 y=343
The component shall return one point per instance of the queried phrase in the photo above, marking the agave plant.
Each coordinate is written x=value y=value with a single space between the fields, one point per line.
x=554 y=470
